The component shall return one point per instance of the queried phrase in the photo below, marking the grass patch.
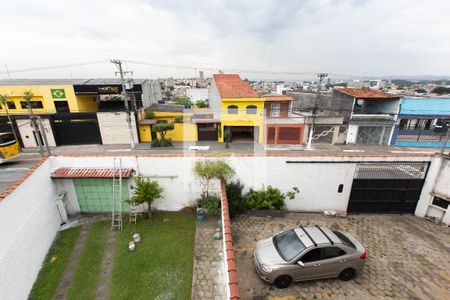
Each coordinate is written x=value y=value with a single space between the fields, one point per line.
x=51 y=272
x=87 y=274
x=161 y=266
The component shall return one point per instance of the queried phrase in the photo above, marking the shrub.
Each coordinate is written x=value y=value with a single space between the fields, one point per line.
x=211 y=203
x=209 y=169
x=271 y=198
x=146 y=191
x=149 y=114
x=162 y=129
x=202 y=104
x=162 y=143
x=178 y=119
x=236 y=201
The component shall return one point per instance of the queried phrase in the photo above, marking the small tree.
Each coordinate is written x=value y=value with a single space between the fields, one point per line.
x=149 y=114
x=162 y=129
x=202 y=104
x=146 y=191
x=4 y=99
x=209 y=169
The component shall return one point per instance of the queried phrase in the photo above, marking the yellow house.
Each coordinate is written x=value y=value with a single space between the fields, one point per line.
x=184 y=130
x=241 y=110
x=49 y=97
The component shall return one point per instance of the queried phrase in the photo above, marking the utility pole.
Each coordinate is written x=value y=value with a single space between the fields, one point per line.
x=44 y=135
x=315 y=110
x=118 y=64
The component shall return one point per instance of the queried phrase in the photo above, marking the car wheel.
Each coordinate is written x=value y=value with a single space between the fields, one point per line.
x=282 y=282
x=347 y=274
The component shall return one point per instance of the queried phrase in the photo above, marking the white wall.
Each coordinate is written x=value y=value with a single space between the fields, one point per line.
x=26 y=132
x=114 y=128
x=442 y=186
x=29 y=221
x=318 y=178
x=197 y=94
x=352 y=133
x=64 y=185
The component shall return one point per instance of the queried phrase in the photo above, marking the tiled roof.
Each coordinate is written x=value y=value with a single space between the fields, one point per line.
x=71 y=173
x=233 y=284
x=367 y=93
x=278 y=98
x=231 y=86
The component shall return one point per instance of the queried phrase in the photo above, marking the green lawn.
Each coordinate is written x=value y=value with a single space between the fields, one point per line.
x=161 y=266
x=87 y=274
x=51 y=272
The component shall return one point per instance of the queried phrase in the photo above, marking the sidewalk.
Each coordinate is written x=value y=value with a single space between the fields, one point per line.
x=235 y=148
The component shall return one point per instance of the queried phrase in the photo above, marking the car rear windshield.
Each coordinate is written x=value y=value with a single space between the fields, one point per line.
x=288 y=245
x=345 y=240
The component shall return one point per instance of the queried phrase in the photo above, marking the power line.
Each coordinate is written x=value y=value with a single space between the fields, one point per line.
x=53 y=67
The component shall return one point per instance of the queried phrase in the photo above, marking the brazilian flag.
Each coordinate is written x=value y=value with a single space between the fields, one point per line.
x=58 y=93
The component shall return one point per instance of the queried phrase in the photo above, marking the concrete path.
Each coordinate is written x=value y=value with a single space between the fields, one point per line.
x=106 y=268
x=208 y=277
x=63 y=287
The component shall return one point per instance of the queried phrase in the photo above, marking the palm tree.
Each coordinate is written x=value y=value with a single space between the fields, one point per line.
x=4 y=99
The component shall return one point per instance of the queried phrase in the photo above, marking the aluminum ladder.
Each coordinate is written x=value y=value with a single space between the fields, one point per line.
x=116 y=223
x=134 y=213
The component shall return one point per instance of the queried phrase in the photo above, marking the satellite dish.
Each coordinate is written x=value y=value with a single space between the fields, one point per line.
x=360 y=102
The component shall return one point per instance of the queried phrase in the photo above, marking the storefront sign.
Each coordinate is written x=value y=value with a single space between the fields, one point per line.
x=108 y=90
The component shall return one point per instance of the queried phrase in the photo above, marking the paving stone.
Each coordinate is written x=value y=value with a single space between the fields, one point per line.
x=405 y=257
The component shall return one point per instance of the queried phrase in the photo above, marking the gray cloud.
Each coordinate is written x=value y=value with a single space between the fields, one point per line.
x=373 y=37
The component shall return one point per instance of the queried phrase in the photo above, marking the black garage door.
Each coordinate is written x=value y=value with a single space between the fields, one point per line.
x=76 y=129
x=387 y=187
x=207 y=132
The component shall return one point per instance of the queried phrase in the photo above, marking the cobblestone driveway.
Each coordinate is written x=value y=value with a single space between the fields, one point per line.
x=408 y=258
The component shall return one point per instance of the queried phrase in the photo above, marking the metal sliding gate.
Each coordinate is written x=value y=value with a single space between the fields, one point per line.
x=76 y=129
x=392 y=187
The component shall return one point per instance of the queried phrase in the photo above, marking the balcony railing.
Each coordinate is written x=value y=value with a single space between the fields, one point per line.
x=373 y=117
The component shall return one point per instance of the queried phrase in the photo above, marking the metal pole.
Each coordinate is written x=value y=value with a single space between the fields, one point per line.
x=444 y=145
x=118 y=63
x=315 y=109
x=44 y=135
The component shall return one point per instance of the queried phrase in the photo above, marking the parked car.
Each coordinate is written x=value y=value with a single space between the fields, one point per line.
x=307 y=253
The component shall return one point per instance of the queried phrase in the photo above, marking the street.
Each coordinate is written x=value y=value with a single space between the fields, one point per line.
x=11 y=171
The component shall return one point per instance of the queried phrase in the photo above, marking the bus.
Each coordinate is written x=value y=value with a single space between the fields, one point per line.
x=9 y=147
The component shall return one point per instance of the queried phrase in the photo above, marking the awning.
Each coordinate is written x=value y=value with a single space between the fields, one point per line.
x=205 y=121
x=147 y=122
x=73 y=173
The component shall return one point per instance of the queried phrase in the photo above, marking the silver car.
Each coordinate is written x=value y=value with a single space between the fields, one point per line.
x=307 y=253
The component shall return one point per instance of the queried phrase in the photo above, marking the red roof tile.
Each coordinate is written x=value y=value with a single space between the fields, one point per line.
x=367 y=93
x=68 y=173
x=278 y=98
x=231 y=86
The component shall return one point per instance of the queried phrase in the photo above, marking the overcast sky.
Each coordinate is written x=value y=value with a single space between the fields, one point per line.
x=361 y=37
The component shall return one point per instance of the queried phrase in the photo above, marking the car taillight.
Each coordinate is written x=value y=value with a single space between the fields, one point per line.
x=363 y=256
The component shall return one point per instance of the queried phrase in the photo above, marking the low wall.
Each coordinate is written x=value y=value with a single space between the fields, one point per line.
x=114 y=127
x=29 y=222
x=183 y=132
x=229 y=260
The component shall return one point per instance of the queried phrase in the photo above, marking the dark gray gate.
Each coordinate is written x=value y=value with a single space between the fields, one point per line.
x=392 y=187
x=76 y=129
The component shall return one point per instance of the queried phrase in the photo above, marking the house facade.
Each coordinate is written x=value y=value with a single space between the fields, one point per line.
x=372 y=115
x=422 y=122
x=68 y=107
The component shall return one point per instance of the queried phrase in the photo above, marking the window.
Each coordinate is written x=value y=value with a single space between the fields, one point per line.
x=332 y=252
x=288 y=245
x=408 y=124
x=340 y=188
x=344 y=239
x=232 y=110
x=251 y=110
x=275 y=110
x=313 y=255
x=423 y=124
x=34 y=104
x=11 y=105
x=442 y=203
